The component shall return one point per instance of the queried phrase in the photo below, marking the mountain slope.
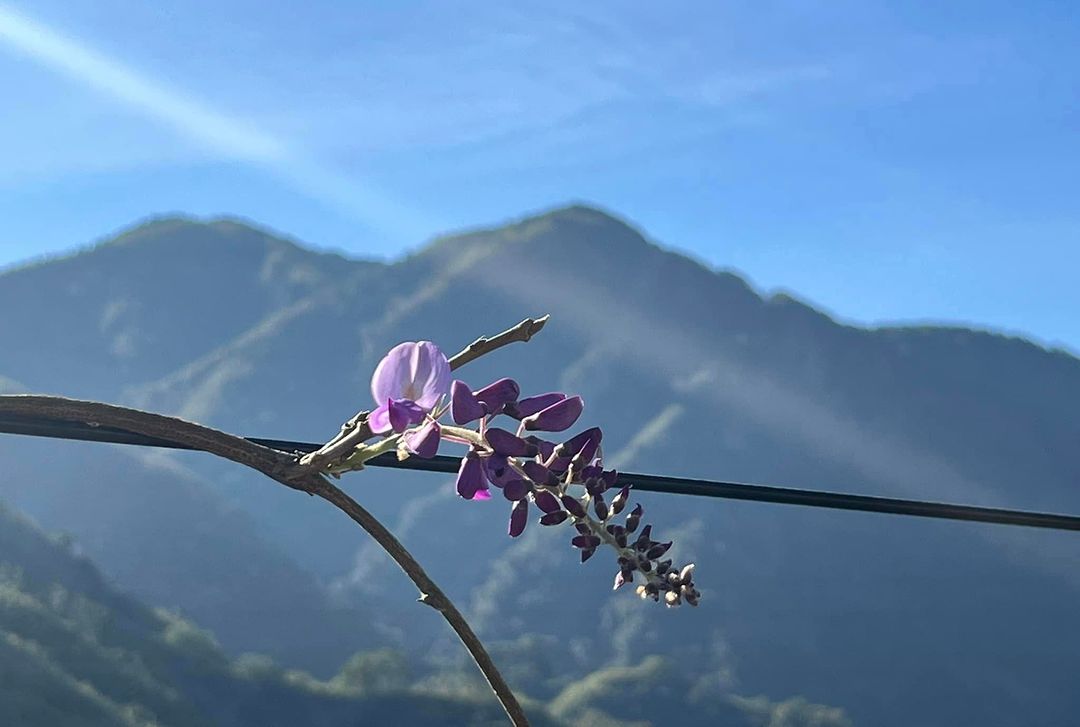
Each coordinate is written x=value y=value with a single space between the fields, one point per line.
x=690 y=372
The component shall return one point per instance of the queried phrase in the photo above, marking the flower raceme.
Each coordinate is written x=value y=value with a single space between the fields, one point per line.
x=564 y=480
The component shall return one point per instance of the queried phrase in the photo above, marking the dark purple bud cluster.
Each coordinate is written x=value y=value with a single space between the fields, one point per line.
x=565 y=480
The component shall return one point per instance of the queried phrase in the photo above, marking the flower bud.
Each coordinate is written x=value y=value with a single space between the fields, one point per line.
x=547 y=502
x=634 y=518
x=515 y=490
x=543 y=447
x=497 y=394
x=619 y=501
x=554 y=518
x=498 y=470
x=464 y=406
x=558 y=417
x=540 y=474
x=470 y=478
x=585 y=541
x=600 y=507
x=587 y=553
x=657 y=551
x=533 y=404
x=507 y=444
x=573 y=506
x=580 y=442
x=519 y=518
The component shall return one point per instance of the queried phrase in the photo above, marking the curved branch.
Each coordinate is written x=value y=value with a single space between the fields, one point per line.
x=279 y=466
x=282 y=467
x=430 y=594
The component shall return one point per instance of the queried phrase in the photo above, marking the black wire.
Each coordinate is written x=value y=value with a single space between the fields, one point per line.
x=644 y=482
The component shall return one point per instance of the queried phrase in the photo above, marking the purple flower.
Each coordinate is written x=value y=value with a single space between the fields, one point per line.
x=533 y=404
x=424 y=442
x=411 y=378
x=515 y=490
x=557 y=417
x=470 y=479
x=396 y=414
x=498 y=470
x=497 y=394
x=464 y=406
x=505 y=443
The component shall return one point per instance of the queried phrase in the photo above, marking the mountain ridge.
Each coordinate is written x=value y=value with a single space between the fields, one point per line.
x=690 y=371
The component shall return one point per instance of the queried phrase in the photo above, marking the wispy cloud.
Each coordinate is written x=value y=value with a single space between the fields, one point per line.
x=220 y=133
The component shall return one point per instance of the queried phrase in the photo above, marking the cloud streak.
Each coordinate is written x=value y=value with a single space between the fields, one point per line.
x=223 y=134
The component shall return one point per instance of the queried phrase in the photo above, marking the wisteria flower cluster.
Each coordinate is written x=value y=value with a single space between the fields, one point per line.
x=564 y=480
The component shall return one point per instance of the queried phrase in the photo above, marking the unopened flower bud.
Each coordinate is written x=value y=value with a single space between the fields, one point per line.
x=507 y=444
x=498 y=470
x=587 y=553
x=619 y=501
x=554 y=518
x=496 y=395
x=581 y=442
x=540 y=474
x=519 y=518
x=556 y=418
x=533 y=404
x=464 y=406
x=516 y=490
x=585 y=541
x=600 y=507
x=573 y=505
x=657 y=551
x=634 y=518
x=470 y=478
x=547 y=501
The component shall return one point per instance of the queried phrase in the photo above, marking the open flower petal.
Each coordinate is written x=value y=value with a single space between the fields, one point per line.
x=416 y=371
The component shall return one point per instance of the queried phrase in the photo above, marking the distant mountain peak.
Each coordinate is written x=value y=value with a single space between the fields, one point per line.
x=576 y=224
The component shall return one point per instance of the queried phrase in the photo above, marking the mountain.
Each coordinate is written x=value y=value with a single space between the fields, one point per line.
x=75 y=651
x=689 y=370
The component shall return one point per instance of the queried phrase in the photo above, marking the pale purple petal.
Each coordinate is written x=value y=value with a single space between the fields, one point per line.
x=391 y=376
x=432 y=375
x=379 y=420
x=417 y=371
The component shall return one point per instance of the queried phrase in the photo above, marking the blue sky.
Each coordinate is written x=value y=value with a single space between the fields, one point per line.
x=887 y=161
